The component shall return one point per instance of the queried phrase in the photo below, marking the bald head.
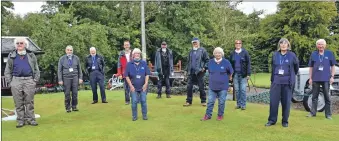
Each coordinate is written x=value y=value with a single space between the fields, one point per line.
x=92 y=51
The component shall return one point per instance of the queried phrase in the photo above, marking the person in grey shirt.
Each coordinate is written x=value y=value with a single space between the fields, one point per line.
x=70 y=75
x=22 y=73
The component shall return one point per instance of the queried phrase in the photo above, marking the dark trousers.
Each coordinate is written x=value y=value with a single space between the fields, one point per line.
x=95 y=78
x=71 y=84
x=315 y=94
x=196 y=79
x=127 y=93
x=280 y=93
x=167 y=82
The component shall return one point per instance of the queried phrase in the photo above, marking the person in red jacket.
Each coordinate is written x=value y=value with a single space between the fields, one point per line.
x=124 y=57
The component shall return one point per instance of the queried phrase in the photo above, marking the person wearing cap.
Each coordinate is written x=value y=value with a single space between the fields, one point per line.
x=196 y=66
x=220 y=71
x=322 y=72
x=95 y=65
x=70 y=76
x=285 y=66
x=22 y=73
x=137 y=75
x=241 y=62
x=125 y=56
x=164 y=68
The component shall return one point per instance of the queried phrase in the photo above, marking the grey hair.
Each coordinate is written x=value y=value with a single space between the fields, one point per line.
x=218 y=49
x=69 y=47
x=92 y=48
x=21 y=39
x=284 y=40
x=321 y=40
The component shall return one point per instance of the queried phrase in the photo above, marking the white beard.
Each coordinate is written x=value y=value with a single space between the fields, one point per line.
x=163 y=49
x=195 y=48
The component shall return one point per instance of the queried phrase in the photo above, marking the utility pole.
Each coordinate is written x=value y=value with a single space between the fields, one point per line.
x=143 y=40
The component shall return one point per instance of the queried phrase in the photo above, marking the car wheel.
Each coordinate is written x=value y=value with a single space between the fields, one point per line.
x=308 y=102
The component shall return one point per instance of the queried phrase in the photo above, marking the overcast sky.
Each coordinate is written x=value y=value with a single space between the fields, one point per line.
x=247 y=7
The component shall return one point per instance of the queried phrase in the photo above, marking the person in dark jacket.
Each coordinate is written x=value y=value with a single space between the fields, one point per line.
x=95 y=66
x=125 y=56
x=285 y=66
x=70 y=76
x=241 y=63
x=164 y=68
x=220 y=71
x=22 y=73
x=322 y=72
x=196 y=67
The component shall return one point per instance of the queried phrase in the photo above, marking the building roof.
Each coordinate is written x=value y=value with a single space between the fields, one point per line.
x=7 y=45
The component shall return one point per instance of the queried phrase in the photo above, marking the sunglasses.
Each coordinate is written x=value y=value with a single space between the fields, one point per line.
x=21 y=43
x=237 y=43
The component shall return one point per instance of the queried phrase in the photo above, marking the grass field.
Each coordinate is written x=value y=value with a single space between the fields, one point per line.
x=168 y=121
x=262 y=80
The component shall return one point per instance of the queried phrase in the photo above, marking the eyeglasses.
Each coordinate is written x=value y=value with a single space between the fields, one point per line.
x=237 y=43
x=21 y=43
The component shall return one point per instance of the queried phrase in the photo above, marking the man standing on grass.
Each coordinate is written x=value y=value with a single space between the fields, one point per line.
x=196 y=66
x=124 y=57
x=322 y=72
x=95 y=67
x=241 y=62
x=70 y=75
x=22 y=73
x=164 y=67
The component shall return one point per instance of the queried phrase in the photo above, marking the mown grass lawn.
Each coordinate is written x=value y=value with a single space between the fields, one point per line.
x=168 y=121
x=262 y=80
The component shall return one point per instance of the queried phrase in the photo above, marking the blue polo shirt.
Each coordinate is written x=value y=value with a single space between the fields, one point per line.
x=282 y=63
x=219 y=74
x=137 y=74
x=21 y=67
x=325 y=62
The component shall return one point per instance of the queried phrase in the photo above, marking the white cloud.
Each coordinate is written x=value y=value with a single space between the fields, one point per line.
x=23 y=8
x=268 y=7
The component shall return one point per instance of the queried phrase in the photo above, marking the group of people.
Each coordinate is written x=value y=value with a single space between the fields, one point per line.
x=22 y=73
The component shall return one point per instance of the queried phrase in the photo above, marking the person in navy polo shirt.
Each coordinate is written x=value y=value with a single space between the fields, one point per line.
x=22 y=73
x=137 y=73
x=322 y=71
x=95 y=66
x=285 y=66
x=241 y=62
x=220 y=71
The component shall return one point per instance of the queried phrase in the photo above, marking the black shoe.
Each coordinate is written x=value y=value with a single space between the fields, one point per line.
x=104 y=101
x=310 y=115
x=329 y=117
x=33 y=123
x=75 y=109
x=134 y=118
x=145 y=118
x=269 y=124
x=19 y=125
x=159 y=96
x=168 y=96
x=68 y=111
x=243 y=108
x=94 y=102
x=237 y=107
x=285 y=124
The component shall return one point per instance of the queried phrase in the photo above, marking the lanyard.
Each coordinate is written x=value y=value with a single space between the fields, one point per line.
x=137 y=67
x=93 y=61
x=321 y=59
x=70 y=62
x=281 y=61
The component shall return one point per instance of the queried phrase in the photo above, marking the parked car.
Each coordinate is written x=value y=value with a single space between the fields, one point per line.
x=303 y=91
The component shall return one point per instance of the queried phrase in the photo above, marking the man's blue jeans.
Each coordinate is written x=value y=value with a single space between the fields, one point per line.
x=212 y=95
x=240 y=84
x=138 y=96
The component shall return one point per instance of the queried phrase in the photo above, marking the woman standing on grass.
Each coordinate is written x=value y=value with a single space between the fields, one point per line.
x=137 y=74
x=220 y=71
x=285 y=66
